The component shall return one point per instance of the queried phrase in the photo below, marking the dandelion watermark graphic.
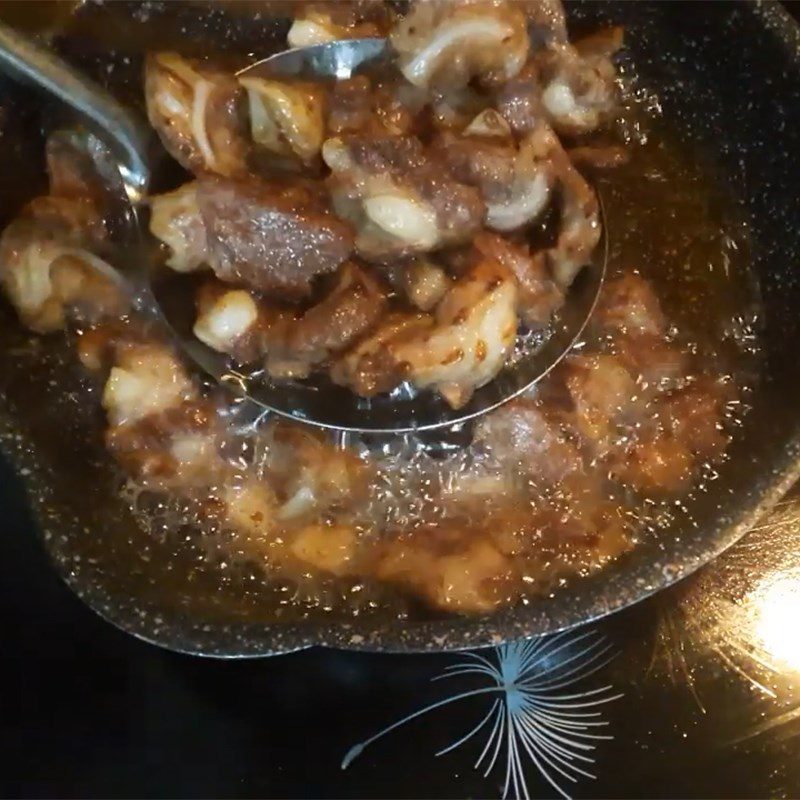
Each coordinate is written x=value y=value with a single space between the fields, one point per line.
x=534 y=719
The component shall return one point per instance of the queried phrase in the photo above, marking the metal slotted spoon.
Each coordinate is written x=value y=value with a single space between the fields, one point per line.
x=125 y=168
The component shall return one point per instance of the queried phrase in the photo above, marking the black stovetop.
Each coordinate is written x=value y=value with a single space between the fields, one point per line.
x=701 y=697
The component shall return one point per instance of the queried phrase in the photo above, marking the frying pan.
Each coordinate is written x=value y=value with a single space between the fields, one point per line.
x=727 y=76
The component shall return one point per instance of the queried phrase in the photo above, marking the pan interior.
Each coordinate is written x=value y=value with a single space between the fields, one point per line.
x=726 y=204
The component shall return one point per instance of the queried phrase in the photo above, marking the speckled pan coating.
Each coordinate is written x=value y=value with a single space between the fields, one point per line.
x=729 y=75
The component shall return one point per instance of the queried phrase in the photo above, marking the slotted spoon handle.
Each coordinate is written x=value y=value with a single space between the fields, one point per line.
x=25 y=61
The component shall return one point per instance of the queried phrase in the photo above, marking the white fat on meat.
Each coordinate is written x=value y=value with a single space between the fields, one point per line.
x=146 y=379
x=223 y=323
x=445 y=45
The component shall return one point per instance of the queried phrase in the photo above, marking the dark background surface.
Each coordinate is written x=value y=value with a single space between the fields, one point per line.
x=709 y=707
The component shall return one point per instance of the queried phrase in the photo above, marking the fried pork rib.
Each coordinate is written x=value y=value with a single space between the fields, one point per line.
x=175 y=221
x=269 y=237
x=524 y=433
x=579 y=225
x=445 y=45
x=49 y=267
x=397 y=197
x=574 y=89
x=160 y=429
x=514 y=181
x=309 y=474
x=273 y=238
x=538 y=295
x=290 y=343
x=473 y=332
x=197 y=113
x=632 y=408
x=517 y=182
x=457 y=349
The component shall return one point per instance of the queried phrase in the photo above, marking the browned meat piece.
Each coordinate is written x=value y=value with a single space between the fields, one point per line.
x=398 y=197
x=49 y=280
x=308 y=472
x=370 y=368
x=654 y=363
x=87 y=288
x=462 y=347
x=248 y=509
x=575 y=91
x=551 y=542
x=48 y=269
x=634 y=407
x=275 y=239
x=520 y=431
x=348 y=311
x=445 y=45
x=359 y=105
x=630 y=316
x=160 y=430
x=71 y=220
x=655 y=462
x=579 y=93
x=146 y=378
x=485 y=150
x=580 y=228
x=98 y=345
x=694 y=416
x=539 y=296
x=175 y=220
x=629 y=305
x=516 y=184
x=317 y=23
x=176 y=448
x=647 y=433
x=74 y=208
x=473 y=335
x=326 y=548
x=605 y=397
x=251 y=512
x=454 y=567
x=514 y=181
x=198 y=114
x=247 y=328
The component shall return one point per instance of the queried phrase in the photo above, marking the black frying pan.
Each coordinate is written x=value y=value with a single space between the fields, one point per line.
x=728 y=77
